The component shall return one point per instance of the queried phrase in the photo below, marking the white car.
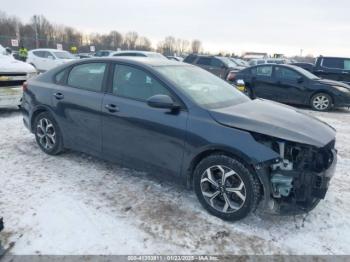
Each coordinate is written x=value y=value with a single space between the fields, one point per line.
x=138 y=53
x=46 y=59
x=12 y=75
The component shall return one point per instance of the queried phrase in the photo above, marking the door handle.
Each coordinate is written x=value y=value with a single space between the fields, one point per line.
x=112 y=108
x=58 y=96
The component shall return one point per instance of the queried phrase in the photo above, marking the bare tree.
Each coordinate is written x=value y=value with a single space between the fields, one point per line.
x=130 y=40
x=143 y=43
x=116 y=39
x=196 y=46
x=182 y=46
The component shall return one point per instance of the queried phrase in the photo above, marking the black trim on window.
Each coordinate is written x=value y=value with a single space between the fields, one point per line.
x=114 y=65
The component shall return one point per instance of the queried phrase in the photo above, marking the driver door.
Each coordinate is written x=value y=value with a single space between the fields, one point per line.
x=139 y=136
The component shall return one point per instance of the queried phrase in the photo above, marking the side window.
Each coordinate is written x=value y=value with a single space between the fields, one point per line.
x=216 y=62
x=136 y=84
x=59 y=78
x=190 y=59
x=286 y=74
x=335 y=63
x=48 y=54
x=204 y=61
x=264 y=71
x=39 y=53
x=87 y=76
x=347 y=64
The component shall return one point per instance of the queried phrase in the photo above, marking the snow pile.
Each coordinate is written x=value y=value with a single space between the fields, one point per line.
x=76 y=204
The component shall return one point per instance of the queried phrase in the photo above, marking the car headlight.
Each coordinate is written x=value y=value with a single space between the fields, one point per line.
x=31 y=74
x=342 y=89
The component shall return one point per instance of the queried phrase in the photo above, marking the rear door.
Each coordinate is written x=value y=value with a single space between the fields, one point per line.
x=140 y=136
x=38 y=59
x=262 y=82
x=76 y=100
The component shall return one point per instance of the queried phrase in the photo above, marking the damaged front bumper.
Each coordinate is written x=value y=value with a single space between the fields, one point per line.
x=298 y=189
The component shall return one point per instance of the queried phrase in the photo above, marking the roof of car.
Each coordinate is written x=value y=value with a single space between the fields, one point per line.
x=48 y=49
x=135 y=51
x=139 y=60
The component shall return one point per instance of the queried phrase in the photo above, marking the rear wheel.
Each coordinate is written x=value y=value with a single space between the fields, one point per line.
x=47 y=134
x=225 y=187
x=248 y=91
x=321 y=102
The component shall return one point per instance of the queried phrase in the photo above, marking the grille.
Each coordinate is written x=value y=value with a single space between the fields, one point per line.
x=11 y=83
x=13 y=74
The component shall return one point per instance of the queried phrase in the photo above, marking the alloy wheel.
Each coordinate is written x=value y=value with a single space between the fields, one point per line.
x=321 y=102
x=45 y=131
x=223 y=189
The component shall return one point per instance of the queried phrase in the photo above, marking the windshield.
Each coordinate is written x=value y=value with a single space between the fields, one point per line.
x=306 y=73
x=204 y=88
x=63 y=55
x=228 y=61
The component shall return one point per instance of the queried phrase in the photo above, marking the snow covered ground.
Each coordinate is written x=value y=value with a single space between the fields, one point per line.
x=76 y=204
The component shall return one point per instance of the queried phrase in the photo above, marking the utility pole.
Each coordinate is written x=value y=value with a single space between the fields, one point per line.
x=301 y=52
x=36 y=32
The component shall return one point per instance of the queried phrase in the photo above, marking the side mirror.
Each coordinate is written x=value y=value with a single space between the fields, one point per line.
x=51 y=57
x=300 y=80
x=162 y=101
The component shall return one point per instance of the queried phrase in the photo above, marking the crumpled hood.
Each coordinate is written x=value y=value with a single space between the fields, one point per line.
x=276 y=120
x=9 y=64
x=332 y=83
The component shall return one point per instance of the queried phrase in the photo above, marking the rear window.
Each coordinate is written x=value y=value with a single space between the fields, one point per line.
x=87 y=76
x=335 y=63
x=190 y=58
x=204 y=61
x=262 y=71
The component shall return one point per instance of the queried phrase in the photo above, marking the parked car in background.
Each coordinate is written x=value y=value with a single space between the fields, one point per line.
x=240 y=62
x=307 y=66
x=335 y=68
x=12 y=75
x=254 y=62
x=46 y=59
x=294 y=85
x=84 y=55
x=223 y=67
x=175 y=58
x=170 y=118
x=132 y=53
x=104 y=53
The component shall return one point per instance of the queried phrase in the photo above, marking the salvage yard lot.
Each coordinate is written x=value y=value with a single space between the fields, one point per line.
x=77 y=204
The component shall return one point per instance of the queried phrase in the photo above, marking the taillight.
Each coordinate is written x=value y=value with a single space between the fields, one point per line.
x=231 y=76
x=25 y=86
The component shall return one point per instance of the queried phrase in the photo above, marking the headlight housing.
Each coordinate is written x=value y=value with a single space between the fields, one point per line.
x=31 y=75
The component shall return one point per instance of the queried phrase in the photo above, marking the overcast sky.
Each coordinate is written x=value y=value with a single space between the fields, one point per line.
x=317 y=27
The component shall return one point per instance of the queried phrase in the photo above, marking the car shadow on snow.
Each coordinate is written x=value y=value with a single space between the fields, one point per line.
x=9 y=112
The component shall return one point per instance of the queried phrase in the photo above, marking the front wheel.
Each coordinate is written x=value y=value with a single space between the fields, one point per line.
x=321 y=102
x=225 y=187
x=47 y=134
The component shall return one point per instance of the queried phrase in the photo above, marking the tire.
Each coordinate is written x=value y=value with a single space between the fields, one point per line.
x=236 y=197
x=47 y=134
x=249 y=92
x=321 y=102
